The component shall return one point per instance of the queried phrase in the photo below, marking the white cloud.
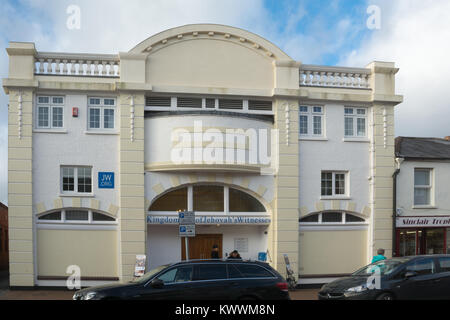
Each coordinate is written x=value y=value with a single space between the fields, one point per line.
x=415 y=35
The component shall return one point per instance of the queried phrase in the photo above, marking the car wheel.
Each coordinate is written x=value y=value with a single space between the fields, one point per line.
x=385 y=296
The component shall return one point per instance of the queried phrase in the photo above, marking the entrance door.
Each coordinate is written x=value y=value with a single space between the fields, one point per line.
x=201 y=245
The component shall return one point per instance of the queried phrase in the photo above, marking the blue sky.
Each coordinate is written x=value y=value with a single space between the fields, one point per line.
x=413 y=34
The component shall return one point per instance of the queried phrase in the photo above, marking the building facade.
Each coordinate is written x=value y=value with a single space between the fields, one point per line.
x=423 y=204
x=274 y=156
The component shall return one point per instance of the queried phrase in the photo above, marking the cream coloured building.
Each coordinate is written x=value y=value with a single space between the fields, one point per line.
x=273 y=155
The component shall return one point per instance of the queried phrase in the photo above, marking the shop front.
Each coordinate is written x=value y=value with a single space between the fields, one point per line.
x=423 y=235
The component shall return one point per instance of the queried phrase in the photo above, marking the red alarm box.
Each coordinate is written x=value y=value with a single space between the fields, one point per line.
x=75 y=112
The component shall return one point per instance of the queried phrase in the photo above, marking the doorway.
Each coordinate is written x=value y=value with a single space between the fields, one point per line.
x=200 y=246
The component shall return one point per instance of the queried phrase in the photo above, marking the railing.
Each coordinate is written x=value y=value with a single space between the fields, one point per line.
x=341 y=77
x=87 y=65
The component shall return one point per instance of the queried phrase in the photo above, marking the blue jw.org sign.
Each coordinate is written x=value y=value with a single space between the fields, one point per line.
x=106 y=180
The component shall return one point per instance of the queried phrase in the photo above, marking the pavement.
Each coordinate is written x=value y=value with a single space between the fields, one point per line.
x=61 y=294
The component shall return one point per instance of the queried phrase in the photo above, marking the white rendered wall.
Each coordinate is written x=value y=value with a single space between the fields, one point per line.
x=334 y=154
x=440 y=204
x=74 y=148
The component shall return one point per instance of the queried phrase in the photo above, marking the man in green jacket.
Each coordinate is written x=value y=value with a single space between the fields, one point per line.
x=379 y=256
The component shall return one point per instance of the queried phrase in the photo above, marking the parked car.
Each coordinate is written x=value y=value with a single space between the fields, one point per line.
x=405 y=278
x=198 y=280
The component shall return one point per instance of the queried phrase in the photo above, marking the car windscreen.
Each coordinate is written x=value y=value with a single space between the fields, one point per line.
x=382 y=267
x=147 y=276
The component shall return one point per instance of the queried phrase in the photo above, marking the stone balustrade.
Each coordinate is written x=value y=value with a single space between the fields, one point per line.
x=87 y=65
x=340 y=77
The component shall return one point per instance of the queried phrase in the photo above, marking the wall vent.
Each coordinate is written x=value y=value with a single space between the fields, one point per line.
x=189 y=102
x=157 y=101
x=260 y=105
x=230 y=104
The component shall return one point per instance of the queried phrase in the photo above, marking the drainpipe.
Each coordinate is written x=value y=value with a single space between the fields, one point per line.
x=394 y=206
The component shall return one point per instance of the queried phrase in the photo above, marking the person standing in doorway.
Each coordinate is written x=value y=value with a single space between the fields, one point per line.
x=215 y=252
x=379 y=256
x=235 y=255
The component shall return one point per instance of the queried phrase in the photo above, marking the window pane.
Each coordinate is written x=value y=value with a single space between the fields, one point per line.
x=94 y=101
x=421 y=267
x=101 y=217
x=58 y=100
x=339 y=183
x=348 y=126
x=352 y=218
x=57 y=117
x=253 y=271
x=77 y=215
x=208 y=198
x=317 y=125
x=348 y=111
x=422 y=196
x=243 y=202
x=234 y=273
x=303 y=124
x=211 y=271
x=51 y=216
x=68 y=179
x=422 y=177
x=94 y=118
x=303 y=109
x=331 y=217
x=43 y=100
x=84 y=180
x=172 y=201
x=444 y=264
x=317 y=109
x=361 y=111
x=43 y=116
x=311 y=218
x=327 y=184
x=109 y=102
x=361 y=127
x=108 y=119
x=180 y=274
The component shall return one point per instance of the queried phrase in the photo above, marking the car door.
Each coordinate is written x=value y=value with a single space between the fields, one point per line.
x=210 y=282
x=422 y=285
x=256 y=281
x=443 y=285
x=177 y=285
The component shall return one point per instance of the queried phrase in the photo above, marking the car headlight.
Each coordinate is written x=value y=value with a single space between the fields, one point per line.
x=357 y=289
x=90 y=296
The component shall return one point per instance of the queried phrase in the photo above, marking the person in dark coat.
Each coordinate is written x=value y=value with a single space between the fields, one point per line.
x=235 y=255
x=215 y=252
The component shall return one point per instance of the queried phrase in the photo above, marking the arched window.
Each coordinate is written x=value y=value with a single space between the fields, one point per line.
x=208 y=198
x=332 y=217
x=82 y=216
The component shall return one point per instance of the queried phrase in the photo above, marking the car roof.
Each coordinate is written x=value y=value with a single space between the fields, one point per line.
x=221 y=261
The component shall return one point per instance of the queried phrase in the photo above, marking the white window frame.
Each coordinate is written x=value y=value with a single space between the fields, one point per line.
x=75 y=177
x=50 y=105
x=63 y=219
x=342 y=222
x=356 y=116
x=311 y=114
x=102 y=107
x=333 y=184
x=429 y=187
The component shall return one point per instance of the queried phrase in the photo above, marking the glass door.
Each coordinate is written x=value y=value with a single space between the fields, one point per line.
x=407 y=242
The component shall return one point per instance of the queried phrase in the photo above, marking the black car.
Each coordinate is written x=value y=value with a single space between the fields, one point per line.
x=198 y=280
x=406 y=278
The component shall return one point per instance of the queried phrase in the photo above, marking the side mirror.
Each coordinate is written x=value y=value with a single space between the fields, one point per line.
x=410 y=274
x=157 y=283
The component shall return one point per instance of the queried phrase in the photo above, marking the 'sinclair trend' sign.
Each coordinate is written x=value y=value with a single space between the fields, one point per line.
x=411 y=222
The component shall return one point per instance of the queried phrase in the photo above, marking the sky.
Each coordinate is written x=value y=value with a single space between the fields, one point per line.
x=414 y=34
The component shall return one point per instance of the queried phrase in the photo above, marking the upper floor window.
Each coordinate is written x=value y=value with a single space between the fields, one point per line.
x=333 y=183
x=422 y=186
x=355 y=122
x=101 y=113
x=50 y=112
x=311 y=120
x=331 y=217
x=76 y=179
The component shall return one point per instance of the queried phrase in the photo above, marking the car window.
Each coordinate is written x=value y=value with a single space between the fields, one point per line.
x=253 y=271
x=444 y=264
x=233 y=272
x=177 y=274
x=421 y=266
x=211 y=271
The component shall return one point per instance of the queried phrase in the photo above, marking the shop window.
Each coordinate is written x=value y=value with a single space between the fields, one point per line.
x=172 y=201
x=243 y=202
x=208 y=198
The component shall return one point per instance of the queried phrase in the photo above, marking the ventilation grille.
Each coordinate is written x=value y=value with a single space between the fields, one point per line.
x=189 y=102
x=230 y=104
x=210 y=103
x=260 y=105
x=157 y=101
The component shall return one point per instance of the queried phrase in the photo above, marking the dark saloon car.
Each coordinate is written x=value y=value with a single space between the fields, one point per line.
x=198 y=280
x=406 y=278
